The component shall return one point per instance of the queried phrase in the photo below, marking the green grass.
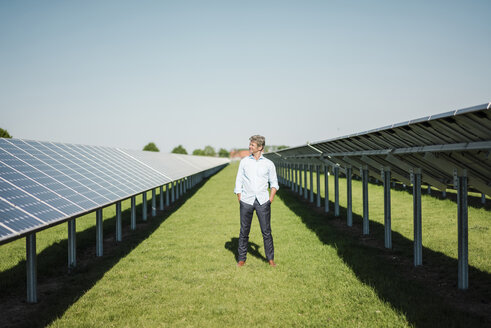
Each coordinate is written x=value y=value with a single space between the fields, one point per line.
x=439 y=218
x=178 y=270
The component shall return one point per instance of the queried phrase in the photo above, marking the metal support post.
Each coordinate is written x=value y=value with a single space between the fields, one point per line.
x=144 y=206
x=444 y=194
x=305 y=192
x=185 y=185
x=154 y=203
x=279 y=172
x=285 y=174
x=289 y=167
x=167 y=201
x=387 y=205
x=292 y=177
x=366 y=221
x=418 y=243
x=173 y=193
x=161 y=198
x=311 y=169
x=133 y=213
x=177 y=190
x=318 y=181
x=349 y=196
x=336 y=190
x=296 y=178
x=99 y=238
x=429 y=189
x=300 y=187
x=463 y=251
x=483 y=198
x=72 y=244
x=119 y=224
x=31 y=267
x=326 y=188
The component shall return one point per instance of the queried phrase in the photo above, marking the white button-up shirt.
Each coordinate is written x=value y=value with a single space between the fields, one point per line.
x=253 y=177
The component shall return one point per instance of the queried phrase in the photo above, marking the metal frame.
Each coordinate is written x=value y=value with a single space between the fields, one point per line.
x=427 y=151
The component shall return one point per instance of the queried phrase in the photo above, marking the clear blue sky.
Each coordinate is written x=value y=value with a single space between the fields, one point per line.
x=123 y=73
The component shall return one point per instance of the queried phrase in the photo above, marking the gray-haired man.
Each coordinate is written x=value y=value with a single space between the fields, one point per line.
x=251 y=187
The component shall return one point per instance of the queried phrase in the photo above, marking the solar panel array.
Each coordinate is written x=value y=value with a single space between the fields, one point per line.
x=438 y=145
x=452 y=149
x=46 y=183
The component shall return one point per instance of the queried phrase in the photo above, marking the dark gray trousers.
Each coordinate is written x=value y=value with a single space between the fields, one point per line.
x=264 y=215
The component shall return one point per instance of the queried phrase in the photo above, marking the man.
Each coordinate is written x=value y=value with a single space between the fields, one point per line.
x=251 y=187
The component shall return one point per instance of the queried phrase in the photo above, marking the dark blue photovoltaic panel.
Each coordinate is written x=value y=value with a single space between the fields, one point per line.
x=108 y=175
x=4 y=233
x=131 y=180
x=33 y=170
x=140 y=170
x=74 y=161
x=65 y=175
x=44 y=183
x=89 y=188
x=28 y=203
x=15 y=219
x=11 y=174
x=132 y=173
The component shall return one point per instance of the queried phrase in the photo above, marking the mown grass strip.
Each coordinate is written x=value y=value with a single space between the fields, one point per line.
x=439 y=217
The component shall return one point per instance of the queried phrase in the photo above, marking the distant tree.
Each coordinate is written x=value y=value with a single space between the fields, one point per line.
x=199 y=152
x=151 y=147
x=283 y=147
x=179 y=150
x=4 y=134
x=209 y=151
x=223 y=153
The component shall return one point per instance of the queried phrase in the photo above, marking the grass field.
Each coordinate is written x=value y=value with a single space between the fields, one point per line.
x=178 y=269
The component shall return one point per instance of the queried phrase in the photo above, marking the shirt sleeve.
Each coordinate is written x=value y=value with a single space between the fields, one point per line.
x=273 y=179
x=239 y=179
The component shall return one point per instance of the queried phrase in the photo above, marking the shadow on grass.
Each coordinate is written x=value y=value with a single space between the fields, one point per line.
x=472 y=200
x=427 y=295
x=58 y=289
x=252 y=249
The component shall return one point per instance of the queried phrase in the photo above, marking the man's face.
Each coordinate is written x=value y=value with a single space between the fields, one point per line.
x=253 y=148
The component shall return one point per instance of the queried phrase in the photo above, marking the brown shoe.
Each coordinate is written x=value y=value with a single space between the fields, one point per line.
x=240 y=263
x=271 y=262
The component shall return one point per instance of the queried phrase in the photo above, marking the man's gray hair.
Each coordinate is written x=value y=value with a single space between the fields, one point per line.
x=259 y=140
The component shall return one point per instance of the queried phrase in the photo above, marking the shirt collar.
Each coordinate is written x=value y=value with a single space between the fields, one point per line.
x=251 y=156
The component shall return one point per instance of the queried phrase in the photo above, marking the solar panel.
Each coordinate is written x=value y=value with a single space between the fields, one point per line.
x=68 y=173
x=437 y=144
x=14 y=221
x=132 y=180
x=447 y=150
x=44 y=183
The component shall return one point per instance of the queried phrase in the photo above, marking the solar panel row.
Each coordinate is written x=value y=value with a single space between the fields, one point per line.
x=43 y=183
x=447 y=150
x=436 y=144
